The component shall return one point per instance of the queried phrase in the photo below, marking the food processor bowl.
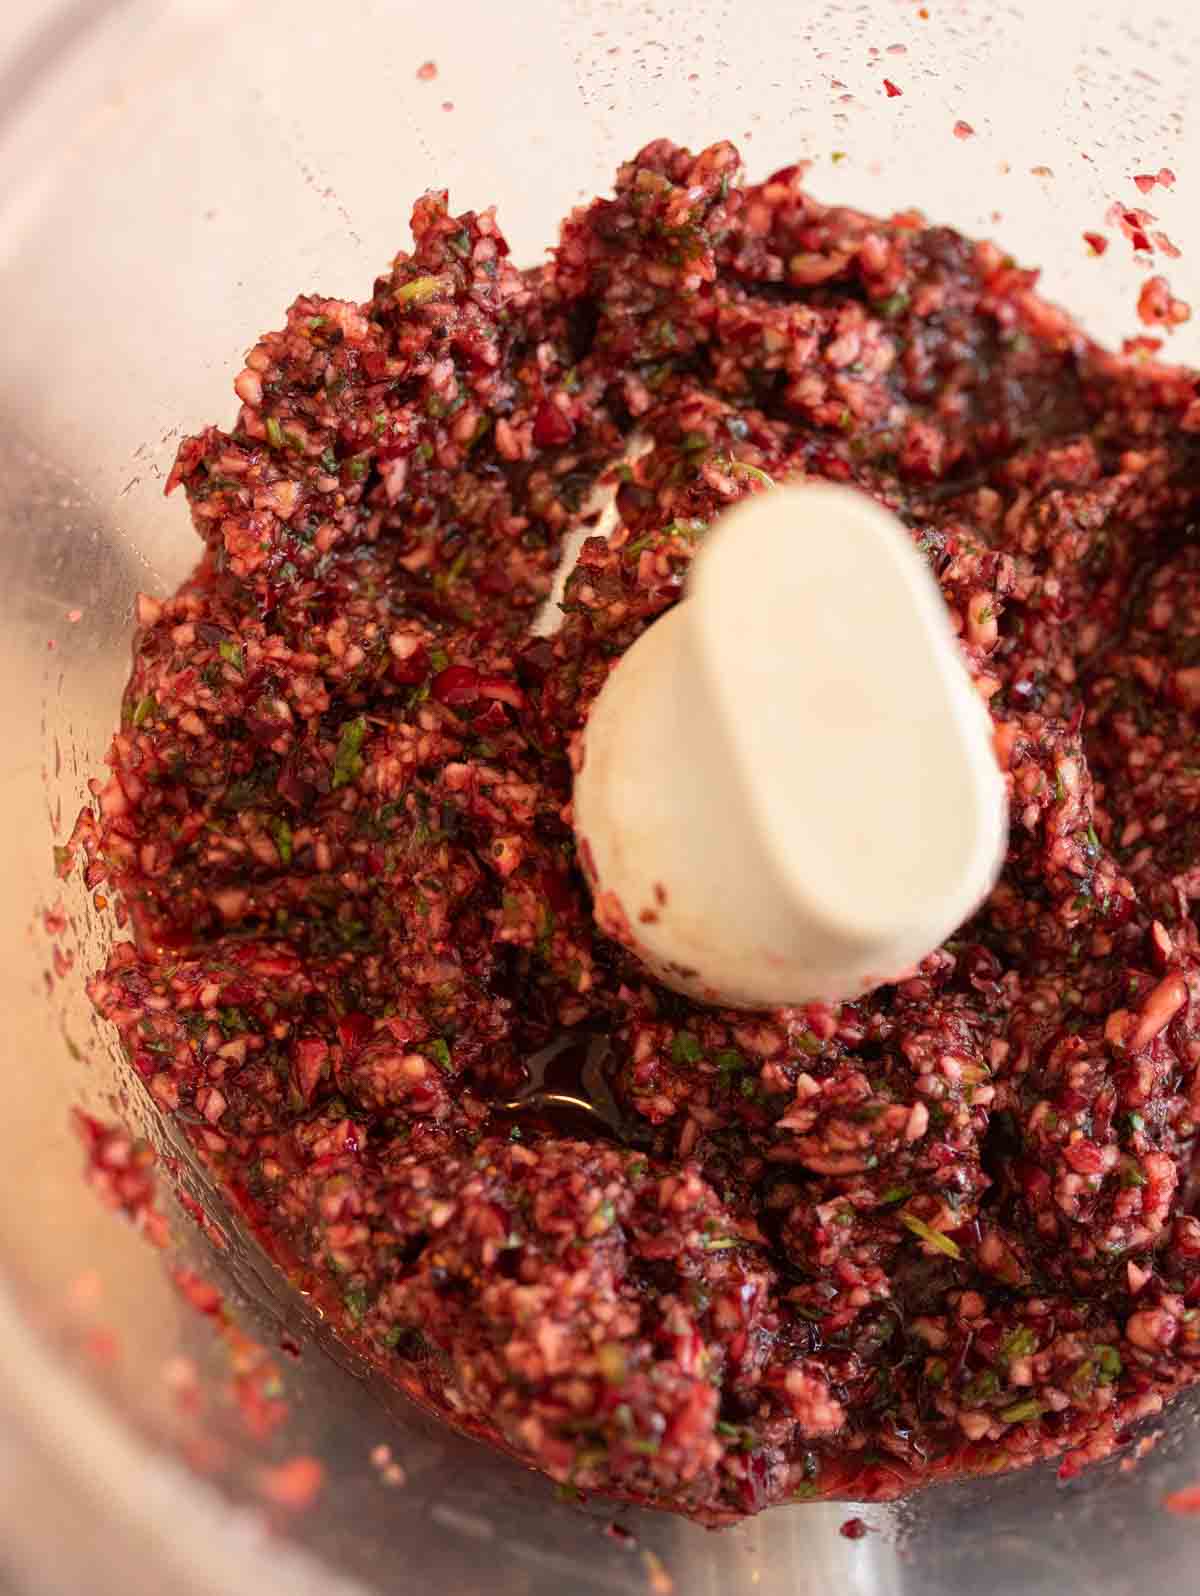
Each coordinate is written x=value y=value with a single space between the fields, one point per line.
x=172 y=173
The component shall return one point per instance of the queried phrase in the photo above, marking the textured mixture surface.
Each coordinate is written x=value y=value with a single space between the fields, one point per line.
x=828 y=1251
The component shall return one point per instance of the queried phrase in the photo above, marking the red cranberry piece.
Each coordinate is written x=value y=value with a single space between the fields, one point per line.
x=355 y=1029
x=551 y=427
x=457 y=684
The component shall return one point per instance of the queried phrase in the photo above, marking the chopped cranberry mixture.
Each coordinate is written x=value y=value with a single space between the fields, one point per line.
x=830 y=1251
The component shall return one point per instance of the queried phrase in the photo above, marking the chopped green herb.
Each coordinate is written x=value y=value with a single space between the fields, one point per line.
x=1110 y=1363
x=356 y=1304
x=685 y=1049
x=643 y=1444
x=230 y=653
x=439 y=1051
x=1018 y=1343
x=274 y=433
x=145 y=708
x=1022 y=1412
x=419 y=291
x=348 y=761
x=895 y=1194
x=933 y=1237
x=984 y=1385
x=742 y=468
x=282 y=834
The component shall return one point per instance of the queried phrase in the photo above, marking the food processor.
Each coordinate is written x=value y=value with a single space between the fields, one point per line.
x=172 y=173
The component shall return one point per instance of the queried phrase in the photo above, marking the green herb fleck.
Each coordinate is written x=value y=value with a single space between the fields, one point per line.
x=984 y=1385
x=685 y=1049
x=1109 y=1360
x=1018 y=1343
x=742 y=468
x=230 y=653
x=419 y=291
x=145 y=708
x=348 y=761
x=1022 y=1412
x=932 y=1236
x=643 y=1444
x=439 y=1051
x=274 y=433
x=282 y=834
x=895 y=1194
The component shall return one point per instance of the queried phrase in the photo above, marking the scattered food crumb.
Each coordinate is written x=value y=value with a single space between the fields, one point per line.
x=447 y=105
x=659 y=1581
x=1096 y=242
x=74 y=615
x=855 y=1528
x=1042 y=171
x=120 y=1171
x=427 y=71
x=1166 y=177
x=622 y=1536
x=838 y=157
x=892 y=91
x=390 y=1472
x=1170 y=250
x=1184 y=1502
x=295 y=1484
x=963 y=130
x=1157 y=307
x=1145 y=182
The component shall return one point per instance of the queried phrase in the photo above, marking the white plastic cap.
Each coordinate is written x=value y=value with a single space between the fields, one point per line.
x=789 y=790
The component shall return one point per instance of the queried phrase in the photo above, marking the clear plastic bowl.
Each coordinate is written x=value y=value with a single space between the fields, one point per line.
x=171 y=174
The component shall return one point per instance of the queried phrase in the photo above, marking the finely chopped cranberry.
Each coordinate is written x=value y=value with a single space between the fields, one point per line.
x=834 y=1251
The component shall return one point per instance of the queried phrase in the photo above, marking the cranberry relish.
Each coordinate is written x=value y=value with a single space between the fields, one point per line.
x=830 y=1251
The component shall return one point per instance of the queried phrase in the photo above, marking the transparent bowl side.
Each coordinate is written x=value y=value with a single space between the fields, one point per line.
x=170 y=176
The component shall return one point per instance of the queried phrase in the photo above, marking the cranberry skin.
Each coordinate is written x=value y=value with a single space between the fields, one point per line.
x=355 y=1030
x=456 y=685
x=550 y=427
